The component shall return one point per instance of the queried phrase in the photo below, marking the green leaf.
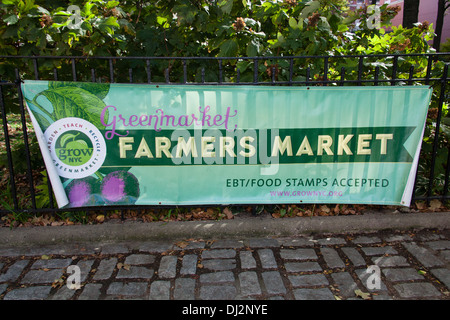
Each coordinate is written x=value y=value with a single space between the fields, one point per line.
x=74 y=102
x=226 y=6
x=98 y=89
x=11 y=19
x=293 y=23
x=229 y=48
x=112 y=4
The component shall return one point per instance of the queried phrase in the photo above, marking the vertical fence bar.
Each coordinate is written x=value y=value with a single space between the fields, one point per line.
x=377 y=72
x=166 y=75
x=184 y=72
x=428 y=75
x=360 y=67
x=93 y=75
x=238 y=75
x=220 y=71
x=255 y=71
x=130 y=74
x=55 y=74
x=25 y=138
x=447 y=174
x=111 y=70
x=8 y=151
x=308 y=71
x=411 y=74
x=36 y=69
x=74 y=70
x=437 y=128
x=291 y=70
x=341 y=82
x=325 y=71
x=148 y=71
x=394 y=70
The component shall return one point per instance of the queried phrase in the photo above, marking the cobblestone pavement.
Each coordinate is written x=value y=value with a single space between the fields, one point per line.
x=410 y=264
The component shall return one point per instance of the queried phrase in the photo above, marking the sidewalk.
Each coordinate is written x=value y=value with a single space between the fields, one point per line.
x=374 y=257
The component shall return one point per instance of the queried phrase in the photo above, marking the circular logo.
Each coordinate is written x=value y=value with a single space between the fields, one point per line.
x=77 y=147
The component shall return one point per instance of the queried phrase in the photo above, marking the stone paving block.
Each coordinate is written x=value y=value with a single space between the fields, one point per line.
x=273 y=282
x=366 y=240
x=378 y=251
x=218 y=254
x=42 y=276
x=445 y=255
x=114 y=248
x=63 y=293
x=167 y=267
x=157 y=247
x=14 y=271
x=91 y=291
x=219 y=264
x=3 y=287
x=297 y=242
x=417 y=290
x=184 y=289
x=267 y=258
x=331 y=241
x=308 y=280
x=313 y=294
x=127 y=289
x=214 y=292
x=249 y=283
x=217 y=277
x=191 y=245
x=189 y=264
x=332 y=258
x=160 y=290
x=401 y=274
x=396 y=238
x=262 y=243
x=393 y=261
x=85 y=268
x=139 y=259
x=105 y=269
x=51 y=263
x=369 y=280
x=298 y=254
x=345 y=284
x=29 y=293
x=355 y=257
x=135 y=272
x=443 y=274
x=302 y=266
x=439 y=245
x=227 y=243
x=425 y=257
x=247 y=260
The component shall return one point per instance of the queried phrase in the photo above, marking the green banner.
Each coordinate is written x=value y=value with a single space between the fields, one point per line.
x=115 y=144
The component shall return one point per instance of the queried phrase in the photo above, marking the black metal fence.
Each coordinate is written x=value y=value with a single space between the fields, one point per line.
x=23 y=184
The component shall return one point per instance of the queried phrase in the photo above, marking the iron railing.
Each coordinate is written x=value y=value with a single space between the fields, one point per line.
x=432 y=181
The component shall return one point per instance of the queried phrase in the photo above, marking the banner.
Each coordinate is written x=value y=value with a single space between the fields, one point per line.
x=120 y=144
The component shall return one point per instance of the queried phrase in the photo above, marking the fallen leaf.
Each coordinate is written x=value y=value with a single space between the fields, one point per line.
x=361 y=294
x=45 y=257
x=435 y=204
x=421 y=205
x=100 y=218
x=182 y=244
x=228 y=213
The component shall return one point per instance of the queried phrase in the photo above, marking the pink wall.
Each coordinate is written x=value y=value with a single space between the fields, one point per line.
x=427 y=12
